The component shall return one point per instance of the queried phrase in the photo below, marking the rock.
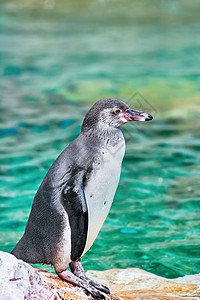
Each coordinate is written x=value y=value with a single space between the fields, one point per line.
x=19 y=280
x=136 y=284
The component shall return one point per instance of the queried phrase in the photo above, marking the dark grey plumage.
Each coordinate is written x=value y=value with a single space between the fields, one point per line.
x=45 y=224
x=95 y=113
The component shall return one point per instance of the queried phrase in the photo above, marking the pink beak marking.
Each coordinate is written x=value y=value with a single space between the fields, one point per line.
x=133 y=115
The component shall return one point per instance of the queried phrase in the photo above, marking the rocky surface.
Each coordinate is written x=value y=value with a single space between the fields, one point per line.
x=141 y=285
x=18 y=280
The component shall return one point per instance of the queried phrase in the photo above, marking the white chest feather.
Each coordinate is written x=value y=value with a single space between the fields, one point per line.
x=101 y=188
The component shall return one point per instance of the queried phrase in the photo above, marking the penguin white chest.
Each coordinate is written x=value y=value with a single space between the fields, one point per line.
x=101 y=186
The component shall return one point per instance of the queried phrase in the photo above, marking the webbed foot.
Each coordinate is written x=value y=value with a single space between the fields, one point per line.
x=81 y=282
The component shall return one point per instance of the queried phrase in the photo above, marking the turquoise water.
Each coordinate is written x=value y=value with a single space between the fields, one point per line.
x=57 y=59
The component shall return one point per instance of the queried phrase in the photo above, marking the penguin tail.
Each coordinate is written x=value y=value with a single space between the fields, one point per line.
x=25 y=250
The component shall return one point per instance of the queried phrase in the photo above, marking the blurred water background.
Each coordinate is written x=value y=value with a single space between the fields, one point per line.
x=59 y=57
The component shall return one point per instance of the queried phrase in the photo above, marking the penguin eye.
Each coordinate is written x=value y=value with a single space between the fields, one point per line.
x=117 y=111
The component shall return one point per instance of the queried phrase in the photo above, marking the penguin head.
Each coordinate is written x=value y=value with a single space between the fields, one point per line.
x=112 y=113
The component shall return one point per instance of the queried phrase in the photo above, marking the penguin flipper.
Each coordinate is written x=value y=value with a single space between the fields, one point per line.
x=74 y=203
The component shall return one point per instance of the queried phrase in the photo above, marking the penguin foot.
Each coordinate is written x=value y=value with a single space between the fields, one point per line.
x=77 y=269
x=70 y=277
x=98 y=286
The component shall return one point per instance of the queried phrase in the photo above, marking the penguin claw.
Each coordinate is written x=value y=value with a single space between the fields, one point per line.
x=105 y=289
x=100 y=287
x=94 y=292
x=97 y=295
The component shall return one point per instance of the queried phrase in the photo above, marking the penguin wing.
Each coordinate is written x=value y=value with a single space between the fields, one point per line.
x=74 y=203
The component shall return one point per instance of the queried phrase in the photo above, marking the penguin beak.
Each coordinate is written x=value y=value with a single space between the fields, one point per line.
x=137 y=115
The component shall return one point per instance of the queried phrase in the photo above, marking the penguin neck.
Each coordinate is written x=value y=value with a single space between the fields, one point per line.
x=105 y=135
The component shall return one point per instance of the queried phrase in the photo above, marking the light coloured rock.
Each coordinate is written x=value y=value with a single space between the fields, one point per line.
x=19 y=280
x=136 y=284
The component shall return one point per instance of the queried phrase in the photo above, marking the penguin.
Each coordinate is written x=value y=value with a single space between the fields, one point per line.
x=75 y=196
